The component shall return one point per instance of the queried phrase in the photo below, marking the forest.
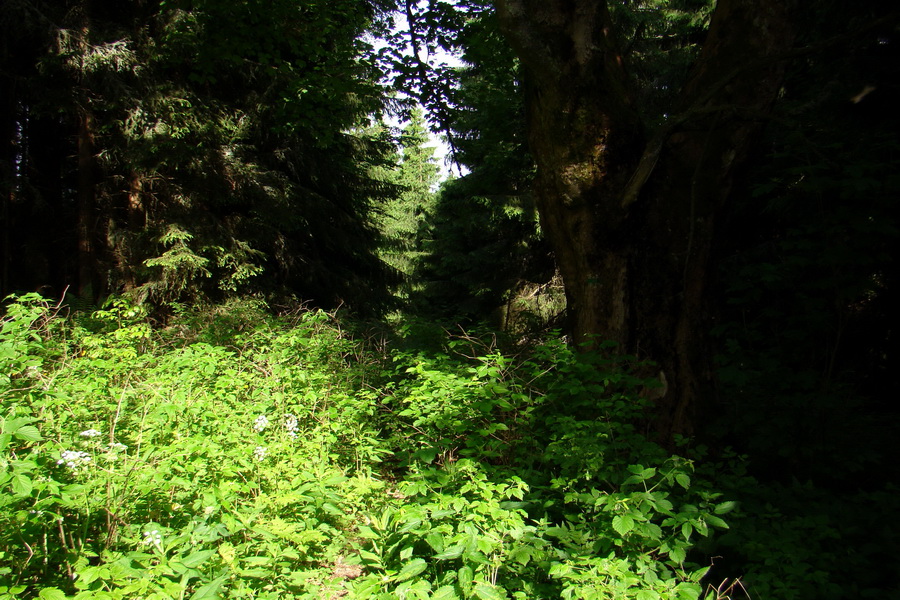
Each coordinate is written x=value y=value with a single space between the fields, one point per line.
x=630 y=340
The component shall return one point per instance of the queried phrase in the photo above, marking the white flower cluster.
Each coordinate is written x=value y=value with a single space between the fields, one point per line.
x=260 y=452
x=153 y=538
x=261 y=422
x=291 y=425
x=74 y=459
x=90 y=433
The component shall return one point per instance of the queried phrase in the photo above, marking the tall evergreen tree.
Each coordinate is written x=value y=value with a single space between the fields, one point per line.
x=215 y=141
x=400 y=218
x=484 y=239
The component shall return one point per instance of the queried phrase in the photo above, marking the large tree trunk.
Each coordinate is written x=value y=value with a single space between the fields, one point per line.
x=631 y=219
x=124 y=244
x=87 y=207
x=8 y=177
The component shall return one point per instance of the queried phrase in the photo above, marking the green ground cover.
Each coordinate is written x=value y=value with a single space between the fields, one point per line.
x=237 y=455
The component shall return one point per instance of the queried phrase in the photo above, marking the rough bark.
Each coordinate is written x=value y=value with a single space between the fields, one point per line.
x=632 y=220
x=585 y=135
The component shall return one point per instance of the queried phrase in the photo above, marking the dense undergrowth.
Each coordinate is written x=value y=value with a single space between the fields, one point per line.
x=237 y=455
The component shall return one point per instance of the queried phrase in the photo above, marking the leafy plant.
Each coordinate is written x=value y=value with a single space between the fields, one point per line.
x=279 y=458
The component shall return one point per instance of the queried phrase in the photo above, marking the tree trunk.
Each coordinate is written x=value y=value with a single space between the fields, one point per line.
x=632 y=220
x=8 y=179
x=136 y=222
x=87 y=200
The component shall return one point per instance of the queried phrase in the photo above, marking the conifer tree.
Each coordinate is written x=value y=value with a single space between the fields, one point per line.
x=402 y=217
x=216 y=149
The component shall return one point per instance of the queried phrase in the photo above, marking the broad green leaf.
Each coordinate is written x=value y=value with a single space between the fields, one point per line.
x=12 y=425
x=445 y=593
x=86 y=576
x=521 y=554
x=716 y=521
x=51 y=593
x=256 y=573
x=410 y=525
x=451 y=552
x=699 y=574
x=725 y=507
x=622 y=524
x=366 y=587
x=426 y=455
x=486 y=591
x=370 y=557
x=688 y=591
x=661 y=502
x=28 y=433
x=435 y=540
x=683 y=479
x=560 y=570
x=411 y=569
x=21 y=485
x=465 y=576
x=210 y=591
x=368 y=533
x=332 y=509
x=197 y=558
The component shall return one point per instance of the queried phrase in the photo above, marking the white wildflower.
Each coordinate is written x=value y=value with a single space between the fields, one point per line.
x=74 y=459
x=291 y=425
x=153 y=538
x=89 y=433
x=260 y=452
x=261 y=422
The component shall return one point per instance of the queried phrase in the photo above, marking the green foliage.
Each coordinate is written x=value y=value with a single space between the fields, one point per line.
x=135 y=468
x=21 y=341
x=483 y=245
x=280 y=459
x=399 y=219
x=660 y=40
x=806 y=358
x=237 y=455
x=525 y=481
